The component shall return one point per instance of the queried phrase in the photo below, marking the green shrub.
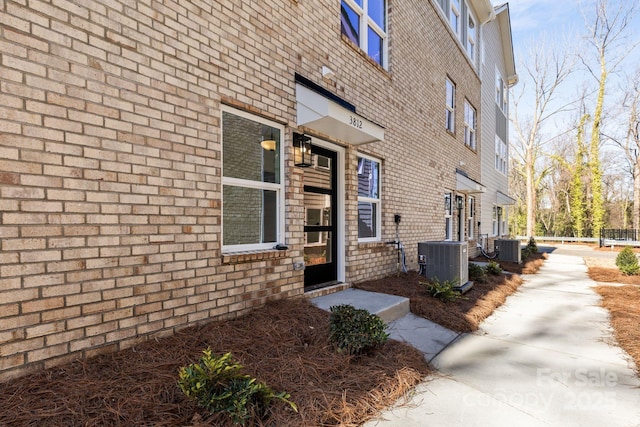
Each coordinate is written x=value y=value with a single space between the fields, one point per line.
x=216 y=383
x=532 y=246
x=356 y=330
x=477 y=273
x=627 y=262
x=525 y=253
x=493 y=268
x=443 y=291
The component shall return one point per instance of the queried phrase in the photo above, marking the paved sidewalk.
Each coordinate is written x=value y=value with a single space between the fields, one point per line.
x=545 y=358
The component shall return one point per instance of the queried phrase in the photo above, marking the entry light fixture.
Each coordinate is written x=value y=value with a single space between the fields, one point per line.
x=459 y=202
x=268 y=143
x=302 y=150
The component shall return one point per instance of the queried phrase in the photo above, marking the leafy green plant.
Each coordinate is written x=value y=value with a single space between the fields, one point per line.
x=532 y=246
x=442 y=290
x=477 y=273
x=493 y=268
x=217 y=384
x=356 y=330
x=525 y=253
x=627 y=262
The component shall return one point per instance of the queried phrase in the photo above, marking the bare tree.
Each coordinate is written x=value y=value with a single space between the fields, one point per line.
x=545 y=71
x=608 y=38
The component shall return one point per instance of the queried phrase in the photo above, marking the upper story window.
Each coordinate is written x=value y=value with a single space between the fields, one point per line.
x=450 y=112
x=502 y=94
x=469 y=125
x=471 y=38
x=463 y=23
x=454 y=15
x=501 y=156
x=252 y=185
x=369 y=209
x=364 y=22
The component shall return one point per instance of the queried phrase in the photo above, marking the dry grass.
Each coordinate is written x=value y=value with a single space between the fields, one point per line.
x=284 y=344
x=623 y=302
x=529 y=266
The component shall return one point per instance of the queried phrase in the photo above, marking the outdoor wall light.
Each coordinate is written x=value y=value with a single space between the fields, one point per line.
x=302 y=150
x=459 y=202
x=268 y=143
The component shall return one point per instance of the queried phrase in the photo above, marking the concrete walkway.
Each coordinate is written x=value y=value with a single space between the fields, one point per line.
x=545 y=358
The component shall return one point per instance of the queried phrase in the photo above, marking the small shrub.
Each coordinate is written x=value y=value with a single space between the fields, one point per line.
x=477 y=273
x=356 y=330
x=216 y=383
x=627 y=262
x=525 y=253
x=532 y=246
x=443 y=291
x=493 y=268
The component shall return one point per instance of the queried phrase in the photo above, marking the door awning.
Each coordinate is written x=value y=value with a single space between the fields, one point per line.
x=330 y=118
x=466 y=185
x=503 y=199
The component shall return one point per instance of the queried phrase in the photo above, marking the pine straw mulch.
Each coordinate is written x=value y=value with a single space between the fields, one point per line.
x=466 y=313
x=612 y=275
x=284 y=344
x=623 y=302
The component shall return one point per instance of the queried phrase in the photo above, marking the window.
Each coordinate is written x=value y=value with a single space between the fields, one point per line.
x=364 y=22
x=252 y=188
x=369 y=210
x=501 y=156
x=494 y=221
x=471 y=212
x=450 y=112
x=471 y=38
x=457 y=13
x=502 y=94
x=454 y=16
x=469 y=125
x=448 y=219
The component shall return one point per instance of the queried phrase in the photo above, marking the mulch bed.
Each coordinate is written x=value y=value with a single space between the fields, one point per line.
x=466 y=313
x=284 y=344
x=612 y=275
x=623 y=302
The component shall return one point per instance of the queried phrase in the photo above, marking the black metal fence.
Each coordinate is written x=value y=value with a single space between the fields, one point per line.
x=619 y=235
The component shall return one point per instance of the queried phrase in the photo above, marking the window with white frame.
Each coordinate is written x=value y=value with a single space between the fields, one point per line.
x=364 y=22
x=457 y=13
x=471 y=212
x=454 y=16
x=450 y=111
x=448 y=217
x=252 y=186
x=471 y=38
x=469 y=125
x=501 y=156
x=369 y=202
x=494 y=221
x=502 y=94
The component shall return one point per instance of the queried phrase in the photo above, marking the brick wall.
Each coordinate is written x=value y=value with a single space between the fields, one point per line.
x=110 y=159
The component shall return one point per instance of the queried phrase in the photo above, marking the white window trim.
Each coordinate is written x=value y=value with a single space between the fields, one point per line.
x=501 y=155
x=450 y=108
x=448 y=218
x=494 y=221
x=472 y=43
x=470 y=128
x=502 y=93
x=378 y=202
x=278 y=188
x=447 y=8
x=471 y=216
x=365 y=23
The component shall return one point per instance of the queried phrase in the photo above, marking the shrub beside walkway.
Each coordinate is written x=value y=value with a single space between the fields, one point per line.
x=545 y=358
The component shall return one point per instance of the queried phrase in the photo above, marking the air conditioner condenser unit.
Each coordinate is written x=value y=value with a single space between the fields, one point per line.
x=446 y=261
x=508 y=250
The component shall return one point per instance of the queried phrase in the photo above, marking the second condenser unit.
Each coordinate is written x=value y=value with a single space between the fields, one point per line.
x=508 y=250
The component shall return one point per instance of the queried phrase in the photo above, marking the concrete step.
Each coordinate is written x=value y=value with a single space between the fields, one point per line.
x=388 y=307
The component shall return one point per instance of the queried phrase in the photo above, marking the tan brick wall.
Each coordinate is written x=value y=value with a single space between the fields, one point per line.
x=110 y=159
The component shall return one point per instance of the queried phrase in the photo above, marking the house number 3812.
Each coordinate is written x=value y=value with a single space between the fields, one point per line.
x=355 y=122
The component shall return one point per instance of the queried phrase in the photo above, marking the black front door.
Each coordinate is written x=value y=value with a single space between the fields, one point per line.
x=320 y=201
